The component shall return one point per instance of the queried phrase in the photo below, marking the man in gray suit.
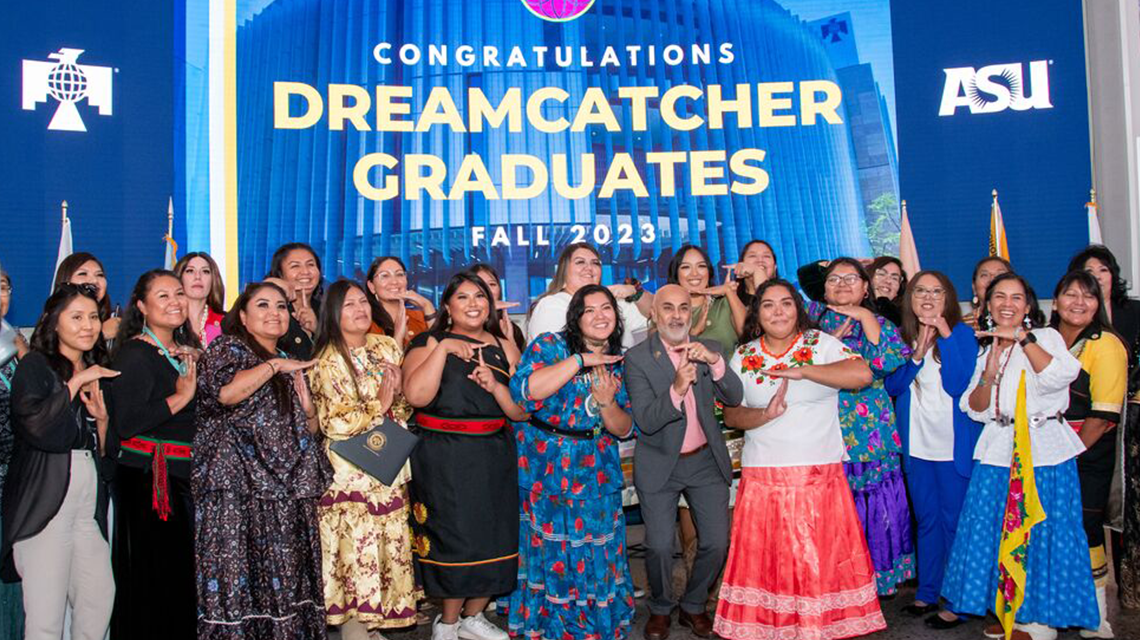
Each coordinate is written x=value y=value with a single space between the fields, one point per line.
x=672 y=382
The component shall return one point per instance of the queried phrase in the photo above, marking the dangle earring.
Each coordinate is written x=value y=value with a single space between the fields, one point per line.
x=990 y=323
x=974 y=301
x=1027 y=322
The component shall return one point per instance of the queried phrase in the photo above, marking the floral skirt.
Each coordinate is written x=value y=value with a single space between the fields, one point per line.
x=1059 y=590
x=880 y=500
x=366 y=558
x=573 y=578
x=798 y=566
x=259 y=568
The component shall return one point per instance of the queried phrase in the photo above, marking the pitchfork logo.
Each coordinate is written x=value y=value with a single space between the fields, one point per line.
x=68 y=83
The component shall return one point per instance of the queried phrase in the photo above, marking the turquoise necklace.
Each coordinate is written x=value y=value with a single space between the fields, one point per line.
x=178 y=365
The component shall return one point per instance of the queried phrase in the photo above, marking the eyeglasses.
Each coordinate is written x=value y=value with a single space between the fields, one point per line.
x=883 y=275
x=849 y=279
x=923 y=292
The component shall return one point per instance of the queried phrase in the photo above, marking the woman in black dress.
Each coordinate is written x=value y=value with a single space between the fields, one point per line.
x=258 y=472
x=153 y=423
x=464 y=498
x=55 y=495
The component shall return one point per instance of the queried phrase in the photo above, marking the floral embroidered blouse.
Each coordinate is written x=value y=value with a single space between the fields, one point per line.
x=560 y=465
x=867 y=415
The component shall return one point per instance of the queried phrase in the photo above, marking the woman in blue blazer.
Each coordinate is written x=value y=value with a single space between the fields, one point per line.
x=937 y=437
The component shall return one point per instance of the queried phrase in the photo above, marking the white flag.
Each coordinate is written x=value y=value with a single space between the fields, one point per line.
x=64 y=245
x=1094 y=224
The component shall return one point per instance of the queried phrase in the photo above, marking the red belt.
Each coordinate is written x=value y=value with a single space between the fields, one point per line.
x=160 y=450
x=463 y=427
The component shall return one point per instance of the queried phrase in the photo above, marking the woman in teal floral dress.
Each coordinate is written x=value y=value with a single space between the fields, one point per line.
x=868 y=420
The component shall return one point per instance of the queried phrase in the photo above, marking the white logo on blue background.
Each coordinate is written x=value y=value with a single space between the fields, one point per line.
x=995 y=88
x=68 y=83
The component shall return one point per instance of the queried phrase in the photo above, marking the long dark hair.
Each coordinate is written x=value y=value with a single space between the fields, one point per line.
x=951 y=312
x=978 y=268
x=329 y=333
x=134 y=321
x=882 y=261
x=867 y=302
x=233 y=326
x=1087 y=281
x=742 y=286
x=277 y=264
x=752 y=329
x=1119 y=293
x=380 y=315
x=70 y=265
x=573 y=332
x=1035 y=315
x=443 y=319
x=45 y=337
x=216 y=301
x=675 y=264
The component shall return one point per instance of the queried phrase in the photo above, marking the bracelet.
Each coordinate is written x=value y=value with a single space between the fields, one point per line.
x=581 y=361
x=638 y=291
x=272 y=368
x=432 y=315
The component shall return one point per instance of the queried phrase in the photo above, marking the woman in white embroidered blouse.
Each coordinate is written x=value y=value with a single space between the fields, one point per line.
x=798 y=564
x=1059 y=586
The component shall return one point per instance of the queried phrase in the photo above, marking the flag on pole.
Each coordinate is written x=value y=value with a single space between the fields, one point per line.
x=64 y=240
x=1094 y=220
x=998 y=246
x=168 y=239
x=908 y=252
x=1023 y=510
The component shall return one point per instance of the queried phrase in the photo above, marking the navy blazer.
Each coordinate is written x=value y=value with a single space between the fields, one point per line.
x=959 y=356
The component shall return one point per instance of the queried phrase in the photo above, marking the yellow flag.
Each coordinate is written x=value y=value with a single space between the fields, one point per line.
x=1023 y=510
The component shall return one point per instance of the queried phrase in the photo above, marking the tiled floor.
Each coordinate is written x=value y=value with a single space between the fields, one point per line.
x=1126 y=623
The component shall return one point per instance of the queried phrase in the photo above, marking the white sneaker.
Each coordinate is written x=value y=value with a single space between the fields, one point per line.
x=478 y=627
x=1105 y=629
x=441 y=631
x=1037 y=631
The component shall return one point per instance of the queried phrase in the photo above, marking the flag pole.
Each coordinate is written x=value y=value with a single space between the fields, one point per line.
x=63 y=208
x=170 y=217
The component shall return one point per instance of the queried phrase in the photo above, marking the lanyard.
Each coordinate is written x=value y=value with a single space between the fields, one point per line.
x=178 y=365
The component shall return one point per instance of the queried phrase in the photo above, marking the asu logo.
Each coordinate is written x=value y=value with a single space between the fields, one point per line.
x=68 y=83
x=995 y=88
x=558 y=10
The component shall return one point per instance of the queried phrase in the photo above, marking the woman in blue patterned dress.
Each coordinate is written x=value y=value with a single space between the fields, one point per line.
x=868 y=420
x=574 y=580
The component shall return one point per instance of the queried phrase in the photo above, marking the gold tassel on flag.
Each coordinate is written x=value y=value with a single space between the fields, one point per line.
x=998 y=246
x=1023 y=511
x=908 y=252
x=171 y=246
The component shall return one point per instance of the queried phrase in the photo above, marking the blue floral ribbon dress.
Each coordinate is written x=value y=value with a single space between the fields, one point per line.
x=874 y=470
x=574 y=581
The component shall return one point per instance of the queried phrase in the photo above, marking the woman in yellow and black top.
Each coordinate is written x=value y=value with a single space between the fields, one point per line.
x=1096 y=398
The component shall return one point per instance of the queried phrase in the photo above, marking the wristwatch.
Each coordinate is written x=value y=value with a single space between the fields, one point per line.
x=1027 y=340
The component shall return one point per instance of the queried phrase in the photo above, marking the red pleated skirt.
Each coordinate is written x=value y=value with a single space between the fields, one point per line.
x=798 y=566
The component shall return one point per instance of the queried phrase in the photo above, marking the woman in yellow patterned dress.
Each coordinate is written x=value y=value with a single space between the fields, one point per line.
x=365 y=537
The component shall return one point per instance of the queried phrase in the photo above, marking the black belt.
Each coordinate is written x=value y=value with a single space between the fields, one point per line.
x=577 y=434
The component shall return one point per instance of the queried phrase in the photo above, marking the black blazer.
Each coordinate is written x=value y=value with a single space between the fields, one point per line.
x=47 y=425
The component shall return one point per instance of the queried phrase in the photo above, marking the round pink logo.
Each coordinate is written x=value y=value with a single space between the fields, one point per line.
x=558 y=10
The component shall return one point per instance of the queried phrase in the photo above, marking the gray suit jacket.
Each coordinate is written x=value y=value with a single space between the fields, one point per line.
x=661 y=427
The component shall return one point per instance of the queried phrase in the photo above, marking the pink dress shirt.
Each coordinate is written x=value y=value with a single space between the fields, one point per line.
x=694 y=435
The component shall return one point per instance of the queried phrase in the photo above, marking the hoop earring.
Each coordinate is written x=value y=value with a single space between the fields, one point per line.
x=974 y=301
